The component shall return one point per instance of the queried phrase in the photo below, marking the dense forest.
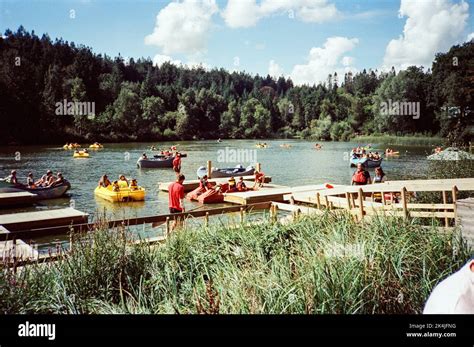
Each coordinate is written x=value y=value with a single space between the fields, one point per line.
x=136 y=100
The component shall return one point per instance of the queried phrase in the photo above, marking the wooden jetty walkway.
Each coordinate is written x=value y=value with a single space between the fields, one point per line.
x=42 y=219
x=17 y=199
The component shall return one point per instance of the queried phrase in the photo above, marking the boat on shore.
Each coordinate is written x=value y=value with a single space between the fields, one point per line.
x=43 y=192
x=160 y=162
x=239 y=170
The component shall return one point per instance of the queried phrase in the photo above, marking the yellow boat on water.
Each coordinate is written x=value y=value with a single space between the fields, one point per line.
x=96 y=145
x=261 y=145
x=122 y=195
x=80 y=154
x=71 y=146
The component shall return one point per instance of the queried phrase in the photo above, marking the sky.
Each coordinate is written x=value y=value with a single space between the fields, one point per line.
x=302 y=39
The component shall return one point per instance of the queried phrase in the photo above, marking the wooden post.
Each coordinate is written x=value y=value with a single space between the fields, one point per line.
x=70 y=241
x=326 y=201
x=352 y=199
x=455 y=199
x=206 y=220
x=167 y=226
x=318 y=200
x=348 y=201
x=14 y=254
x=445 y=201
x=258 y=167
x=241 y=215
x=361 y=204
x=384 y=202
x=209 y=169
x=404 y=202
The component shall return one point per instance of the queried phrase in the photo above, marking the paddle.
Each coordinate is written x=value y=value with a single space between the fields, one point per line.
x=157 y=224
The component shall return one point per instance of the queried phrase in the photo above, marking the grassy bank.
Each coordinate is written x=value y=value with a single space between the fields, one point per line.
x=406 y=140
x=323 y=264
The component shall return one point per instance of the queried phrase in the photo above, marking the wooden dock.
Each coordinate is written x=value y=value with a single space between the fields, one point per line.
x=190 y=185
x=17 y=199
x=42 y=219
x=271 y=193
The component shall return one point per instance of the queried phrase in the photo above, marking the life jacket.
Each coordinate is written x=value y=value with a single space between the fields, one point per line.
x=241 y=185
x=360 y=177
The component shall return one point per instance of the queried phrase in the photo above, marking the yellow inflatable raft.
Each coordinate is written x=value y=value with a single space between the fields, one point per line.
x=96 y=146
x=81 y=154
x=124 y=194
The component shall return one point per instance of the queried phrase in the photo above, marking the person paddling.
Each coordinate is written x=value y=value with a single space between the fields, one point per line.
x=176 y=199
x=361 y=177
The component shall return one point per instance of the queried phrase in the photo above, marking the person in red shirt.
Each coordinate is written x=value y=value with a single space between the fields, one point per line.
x=259 y=179
x=176 y=198
x=177 y=163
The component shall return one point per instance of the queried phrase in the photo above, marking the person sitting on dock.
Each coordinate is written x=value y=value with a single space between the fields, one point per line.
x=12 y=177
x=133 y=184
x=104 y=181
x=361 y=177
x=241 y=187
x=122 y=178
x=177 y=163
x=259 y=179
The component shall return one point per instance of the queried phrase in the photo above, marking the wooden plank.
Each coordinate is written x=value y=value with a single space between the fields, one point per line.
x=17 y=198
x=294 y=208
x=61 y=229
x=42 y=219
x=20 y=250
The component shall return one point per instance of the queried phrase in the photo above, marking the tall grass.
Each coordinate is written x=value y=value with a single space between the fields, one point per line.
x=324 y=264
x=405 y=140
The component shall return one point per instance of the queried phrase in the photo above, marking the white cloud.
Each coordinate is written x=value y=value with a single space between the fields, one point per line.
x=246 y=13
x=183 y=27
x=430 y=27
x=274 y=69
x=160 y=59
x=470 y=37
x=326 y=60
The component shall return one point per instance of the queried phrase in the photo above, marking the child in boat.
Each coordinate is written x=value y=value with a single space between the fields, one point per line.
x=122 y=178
x=115 y=186
x=232 y=185
x=144 y=157
x=30 y=182
x=12 y=177
x=204 y=183
x=104 y=181
x=133 y=184
x=241 y=187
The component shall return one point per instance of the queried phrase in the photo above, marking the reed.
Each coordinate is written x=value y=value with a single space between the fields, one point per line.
x=321 y=264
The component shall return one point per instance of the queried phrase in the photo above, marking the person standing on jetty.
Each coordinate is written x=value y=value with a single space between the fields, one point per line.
x=361 y=177
x=176 y=199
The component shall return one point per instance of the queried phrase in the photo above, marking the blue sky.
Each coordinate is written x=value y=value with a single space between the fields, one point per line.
x=303 y=39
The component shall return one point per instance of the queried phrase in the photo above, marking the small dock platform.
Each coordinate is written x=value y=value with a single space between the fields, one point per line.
x=271 y=193
x=16 y=248
x=17 y=199
x=42 y=219
x=190 y=185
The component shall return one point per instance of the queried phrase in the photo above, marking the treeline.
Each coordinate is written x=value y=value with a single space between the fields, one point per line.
x=137 y=101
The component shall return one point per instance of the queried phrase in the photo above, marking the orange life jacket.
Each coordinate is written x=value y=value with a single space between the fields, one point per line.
x=360 y=177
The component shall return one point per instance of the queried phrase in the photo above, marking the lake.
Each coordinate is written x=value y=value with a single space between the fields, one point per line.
x=299 y=165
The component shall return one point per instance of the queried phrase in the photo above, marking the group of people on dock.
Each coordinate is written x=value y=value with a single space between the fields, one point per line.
x=48 y=180
x=105 y=182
